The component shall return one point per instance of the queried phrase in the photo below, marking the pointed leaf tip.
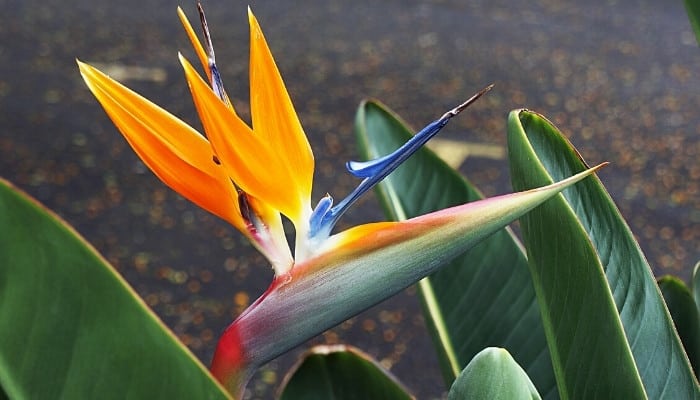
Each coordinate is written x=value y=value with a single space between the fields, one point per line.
x=493 y=374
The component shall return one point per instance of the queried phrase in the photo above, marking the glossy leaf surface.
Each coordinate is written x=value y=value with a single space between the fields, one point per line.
x=484 y=297
x=609 y=332
x=686 y=318
x=493 y=374
x=341 y=373
x=70 y=325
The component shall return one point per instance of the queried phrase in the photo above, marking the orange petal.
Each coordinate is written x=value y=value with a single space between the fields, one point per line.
x=175 y=152
x=252 y=163
x=198 y=48
x=290 y=163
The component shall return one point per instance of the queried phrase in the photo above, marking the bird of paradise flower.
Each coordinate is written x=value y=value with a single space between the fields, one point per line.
x=252 y=176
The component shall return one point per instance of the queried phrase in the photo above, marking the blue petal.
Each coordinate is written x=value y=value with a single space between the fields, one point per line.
x=379 y=168
x=319 y=214
x=374 y=171
x=364 y=169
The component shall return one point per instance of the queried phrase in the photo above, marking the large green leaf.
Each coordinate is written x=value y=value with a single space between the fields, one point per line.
x=685 y=316
x=493 y=374
x=609 y=332
x=484 y=297
x=70 y=325
x=693 y=9
x=341 y=373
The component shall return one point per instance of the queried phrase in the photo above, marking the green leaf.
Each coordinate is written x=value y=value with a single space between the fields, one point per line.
x=693 y=9
x=696 y=285
x=493 y=374
x=341 y=373
x=592 y=280
x=484 y=297
x=686 y=318
x=70 y=325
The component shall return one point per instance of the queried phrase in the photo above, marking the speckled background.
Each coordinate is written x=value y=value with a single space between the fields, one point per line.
x=619 y=77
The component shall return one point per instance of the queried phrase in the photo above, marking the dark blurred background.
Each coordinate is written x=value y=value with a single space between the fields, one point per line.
x=620 y=78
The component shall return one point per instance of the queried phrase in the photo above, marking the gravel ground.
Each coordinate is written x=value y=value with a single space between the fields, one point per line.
x=619 y=77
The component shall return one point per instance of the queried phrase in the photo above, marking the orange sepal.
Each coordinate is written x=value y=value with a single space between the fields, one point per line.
x=175 y=152
x=252 y=163
x=276 y=124
x=198 y=48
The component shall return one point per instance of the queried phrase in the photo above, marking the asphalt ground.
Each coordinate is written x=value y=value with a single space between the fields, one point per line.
x=618 y=77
